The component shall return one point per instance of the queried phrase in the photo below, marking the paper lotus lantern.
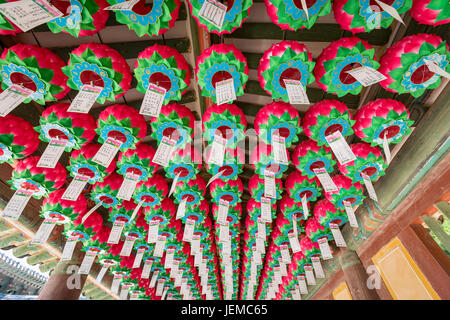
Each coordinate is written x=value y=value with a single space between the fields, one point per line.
x=290 y=14
x=286 y=60
x=146 y=19
x=278 y=117
x=364 y=16
x=174 y=121
x=256 y=188
x=95 y=245
x=162 y=213
x=405 y=68
x=299 y=186
x=308 y=155
x=63 y=211
x=106 y=191
x=192 y=190
x=185 y=163
x=237 y=12
x=123 y=123
x=232 y=166
x=254 y=209
x=98 y=65
x=199 y=213
x=76 y=128
x=262 y=158
x=314 y=231
x=221 y=62
x=41 y=181
x=137 y=161
x=7 y=27
x=229 y=191
x=325 y=213
x=151 y=191
x=369 y=161
x=235 y=210
x=227 y=120
x=326 y=117
x=165 y=67
x=17 y=138
x=430 y=12
x=84 y=231
x=81 y=17
x=35 y=68
x=81 y=164
x=382 y=117
x=347 y=191
x=339 y=57
x=290 y=210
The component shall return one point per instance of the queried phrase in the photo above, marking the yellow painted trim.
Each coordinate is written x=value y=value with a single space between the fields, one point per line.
x=396 y=243
x=342 y=287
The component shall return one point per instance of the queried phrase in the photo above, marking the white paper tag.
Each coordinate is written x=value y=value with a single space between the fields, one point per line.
x=225 y=91
x=173 y=268
x=279 y=149
x=367 y=76
x=277 y=274
x=214 y=12
x=223 y=212
x=260 y=244
x=75 y=188
x=195 y=244
x=169 y=258
x=107 y=152
x=164 y=292
x=43 y=232
x=302 y=285
x=128 y=186
x=224 y=233
x=181 y=210
x=127 y=246
x=116 y=232
x=337 y=235
x=350 y=214
x=390 y=10
x=153 y=100
x=340 y=148
x=123 y=6
x=68 y=249
x=138 y=258
x=86 y=216
x=285 y=255
x=261 y=229
x=154 y=278
x=147 y=269
x=269 y=184
x=85 y=99
x=101 y=274
x=189 y=227
x=309 y=275
x=369 y=187
x=12 y=97
x=214 y=177
x=28 y=14
x=198 y=257
x=283 y=268
x=136 y=210
x=164 y=152
x=174 y=184
x=324 y=247
x=52 y=153
x=293 y=241
x=116 y=283
x=217 y=153
x=88 y=260
x=178 y=278
x=317 y=267
x=433 y=67
x=123 y=293
x=295 y=294
x=266 y=209
x=153 y=231
x=16 y=204
x=305 y=8
x=387 y=151
x=325 y=180
x=305 y=207
x=160 y=246
x=296 y=91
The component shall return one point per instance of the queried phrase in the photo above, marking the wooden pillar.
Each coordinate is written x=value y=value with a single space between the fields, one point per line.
x=65 y=283
x=355 y=276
